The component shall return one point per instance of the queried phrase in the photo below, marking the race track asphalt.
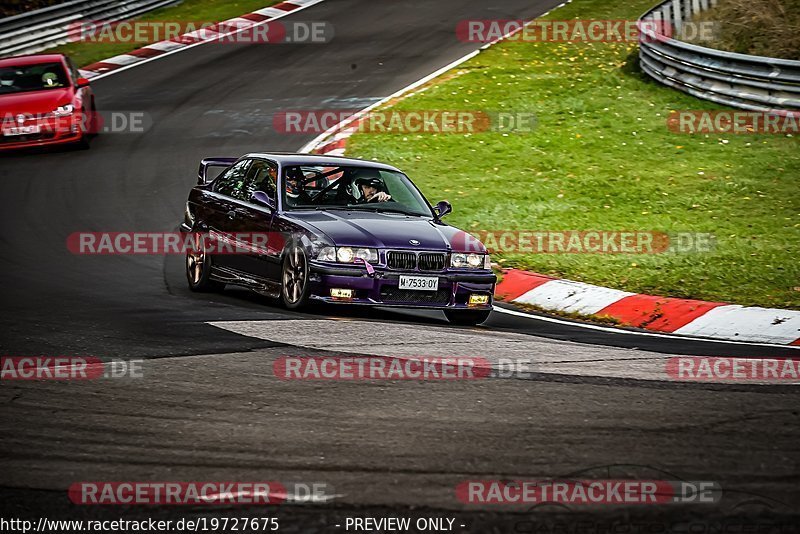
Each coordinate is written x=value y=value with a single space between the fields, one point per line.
x=209 y=406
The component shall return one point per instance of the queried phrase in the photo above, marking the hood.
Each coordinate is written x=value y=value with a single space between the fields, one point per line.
x=34 y=102
x=381 y=230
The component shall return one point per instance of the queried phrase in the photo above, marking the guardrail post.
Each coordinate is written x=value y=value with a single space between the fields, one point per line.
x=677 y=16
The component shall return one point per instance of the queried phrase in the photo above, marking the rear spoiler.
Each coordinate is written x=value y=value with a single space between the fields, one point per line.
x=202 y=172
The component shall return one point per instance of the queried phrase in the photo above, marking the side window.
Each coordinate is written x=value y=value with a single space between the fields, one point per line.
x=73 y=72
x=231 y=182
x=263 y=176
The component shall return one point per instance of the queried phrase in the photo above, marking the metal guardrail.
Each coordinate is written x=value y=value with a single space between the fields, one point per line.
x=742 y=81
x=37 y=30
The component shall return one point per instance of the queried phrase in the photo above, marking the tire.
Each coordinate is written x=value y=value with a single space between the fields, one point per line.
x=198 y=268
x=467 y=317
x=295 y=288
x=84 y=142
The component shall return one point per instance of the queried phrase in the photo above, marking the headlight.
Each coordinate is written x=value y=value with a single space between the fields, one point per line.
x=487 y=262
x=347 y=254
x=471 y=261
x=367 y=254
x=63 y=111
x=327 y=254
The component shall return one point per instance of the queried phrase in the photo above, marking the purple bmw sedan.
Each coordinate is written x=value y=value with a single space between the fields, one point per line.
x=305 y=228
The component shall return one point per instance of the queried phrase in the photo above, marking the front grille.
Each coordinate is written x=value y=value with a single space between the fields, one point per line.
x=431 y=261
x=409 y=261
x=407 y=296
x=401 y=260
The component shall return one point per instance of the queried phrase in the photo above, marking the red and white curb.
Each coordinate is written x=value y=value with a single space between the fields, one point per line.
x=191 y=39
x=695 y=318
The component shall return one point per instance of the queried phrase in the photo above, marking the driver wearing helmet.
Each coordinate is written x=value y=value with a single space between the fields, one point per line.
x=7 y=80
x=372 y=188
x=295 y=187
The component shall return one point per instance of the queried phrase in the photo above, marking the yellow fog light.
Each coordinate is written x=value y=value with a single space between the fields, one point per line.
x=342 y=293
x=478 y=300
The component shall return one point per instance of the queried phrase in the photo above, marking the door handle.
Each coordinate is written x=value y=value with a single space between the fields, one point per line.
x=231 y=214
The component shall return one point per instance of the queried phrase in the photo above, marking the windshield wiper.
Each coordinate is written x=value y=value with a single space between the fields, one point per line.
x=371 y=209
x=379 y=209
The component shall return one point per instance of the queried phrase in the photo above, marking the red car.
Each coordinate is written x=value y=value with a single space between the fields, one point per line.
x=44 y=101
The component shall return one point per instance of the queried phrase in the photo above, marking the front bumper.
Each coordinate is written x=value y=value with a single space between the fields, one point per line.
x=381 y=288
x=51 y=131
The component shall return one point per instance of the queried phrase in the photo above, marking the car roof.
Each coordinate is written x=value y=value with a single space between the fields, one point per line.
x=290 y=158
x=34 y=59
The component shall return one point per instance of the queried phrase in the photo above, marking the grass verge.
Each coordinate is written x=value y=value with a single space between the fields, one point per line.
x=602 y=158
x=86 y=53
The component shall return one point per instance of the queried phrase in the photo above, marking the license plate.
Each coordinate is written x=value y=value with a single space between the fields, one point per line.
x=419 y=283
x=21 y=130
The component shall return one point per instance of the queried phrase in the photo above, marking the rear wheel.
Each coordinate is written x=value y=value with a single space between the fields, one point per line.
x=294 y=278
x=467 y=317
x=198 y=267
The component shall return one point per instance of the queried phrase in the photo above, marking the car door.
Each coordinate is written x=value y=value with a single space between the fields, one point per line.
x=253 y=223
x=224 y=207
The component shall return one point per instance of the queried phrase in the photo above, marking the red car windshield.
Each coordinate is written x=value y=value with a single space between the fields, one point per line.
x=37 y=77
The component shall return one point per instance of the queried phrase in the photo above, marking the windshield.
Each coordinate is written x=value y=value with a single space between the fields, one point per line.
x=32 y=78
x=349 y=187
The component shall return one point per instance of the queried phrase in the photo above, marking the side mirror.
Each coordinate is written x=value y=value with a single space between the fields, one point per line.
x=81 y=82
x=443 y=208
x=260 y=197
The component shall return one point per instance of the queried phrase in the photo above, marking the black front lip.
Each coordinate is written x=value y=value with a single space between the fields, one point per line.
x=479 y=278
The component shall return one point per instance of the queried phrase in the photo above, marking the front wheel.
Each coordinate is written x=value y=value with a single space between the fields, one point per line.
x=467 y=317
x=294 y=278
